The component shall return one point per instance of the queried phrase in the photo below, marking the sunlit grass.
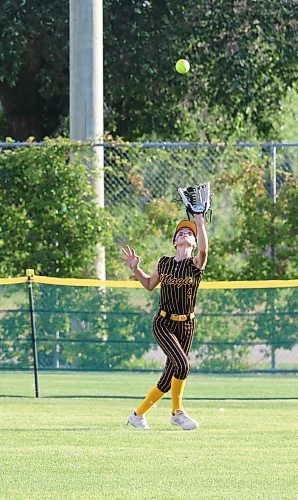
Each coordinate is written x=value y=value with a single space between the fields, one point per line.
x=81 y=448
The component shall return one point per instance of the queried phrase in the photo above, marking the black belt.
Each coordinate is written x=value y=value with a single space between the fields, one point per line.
x=176 y=317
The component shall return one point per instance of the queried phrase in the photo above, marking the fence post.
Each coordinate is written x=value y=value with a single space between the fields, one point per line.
x=274 y=192
x=30 y=275
x=274 y=174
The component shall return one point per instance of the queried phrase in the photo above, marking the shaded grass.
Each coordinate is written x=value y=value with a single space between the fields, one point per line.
x=81 y=448
x=136 y=385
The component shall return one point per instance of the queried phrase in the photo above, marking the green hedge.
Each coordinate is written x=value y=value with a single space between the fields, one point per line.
x=49 y=218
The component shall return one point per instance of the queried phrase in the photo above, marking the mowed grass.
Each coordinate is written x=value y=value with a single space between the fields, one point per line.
x=136 y=385
x=80 y=447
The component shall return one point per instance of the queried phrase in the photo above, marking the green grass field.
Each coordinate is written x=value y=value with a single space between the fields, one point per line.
x=80 y=448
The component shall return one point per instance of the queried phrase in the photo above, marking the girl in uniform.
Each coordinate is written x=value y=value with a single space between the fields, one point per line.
x=173 y=325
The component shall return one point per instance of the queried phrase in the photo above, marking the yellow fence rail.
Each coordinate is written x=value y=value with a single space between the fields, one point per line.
x=214 y=285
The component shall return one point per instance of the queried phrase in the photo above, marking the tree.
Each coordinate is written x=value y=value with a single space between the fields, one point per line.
x=264 y=245
x=242 y=56
x=34 y=66
x=49 y=218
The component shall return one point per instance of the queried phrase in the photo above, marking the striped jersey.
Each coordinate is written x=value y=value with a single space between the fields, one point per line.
x=179 y=285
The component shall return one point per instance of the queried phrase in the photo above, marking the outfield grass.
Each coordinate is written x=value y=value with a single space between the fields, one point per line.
x=135 y=385
x=80 y=448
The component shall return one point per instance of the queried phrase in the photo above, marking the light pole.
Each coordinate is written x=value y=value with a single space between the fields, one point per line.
x=86 y=89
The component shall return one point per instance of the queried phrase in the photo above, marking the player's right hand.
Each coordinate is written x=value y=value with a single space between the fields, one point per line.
x=129 y=256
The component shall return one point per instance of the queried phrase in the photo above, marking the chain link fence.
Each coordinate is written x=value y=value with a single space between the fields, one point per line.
x=137 y=174
x=109 y=328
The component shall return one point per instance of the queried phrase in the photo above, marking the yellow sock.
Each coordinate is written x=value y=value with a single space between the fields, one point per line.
x=152 y=397
x=177 y=388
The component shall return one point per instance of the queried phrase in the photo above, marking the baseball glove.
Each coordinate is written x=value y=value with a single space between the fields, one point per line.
x=197 y=199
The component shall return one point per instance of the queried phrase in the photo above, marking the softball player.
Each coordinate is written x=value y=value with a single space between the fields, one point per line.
x=173 y=325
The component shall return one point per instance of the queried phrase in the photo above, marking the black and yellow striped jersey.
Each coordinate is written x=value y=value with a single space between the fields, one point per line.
x=179 y=284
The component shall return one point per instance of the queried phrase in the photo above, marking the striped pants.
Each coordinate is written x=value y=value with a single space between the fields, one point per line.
x=175 y=339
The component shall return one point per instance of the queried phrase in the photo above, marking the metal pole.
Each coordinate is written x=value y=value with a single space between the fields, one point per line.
x=57 y=351
x=30 y=275
x=274 y=174
x=273 y=357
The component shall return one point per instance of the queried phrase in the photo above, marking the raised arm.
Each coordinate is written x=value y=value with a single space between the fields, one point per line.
x=133 y=261
x=200 y=260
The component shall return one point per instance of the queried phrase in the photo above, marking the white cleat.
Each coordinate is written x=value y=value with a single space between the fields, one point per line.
x=138 y=421
x=184 y=421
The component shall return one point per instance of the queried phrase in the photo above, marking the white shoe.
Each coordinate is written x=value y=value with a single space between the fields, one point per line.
x=184 y=421
x=138 y=421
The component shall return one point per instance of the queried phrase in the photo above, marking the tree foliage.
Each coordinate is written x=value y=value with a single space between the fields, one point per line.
x=264 y=245
x=242 y=55
x=49 y=216
x=34 y=65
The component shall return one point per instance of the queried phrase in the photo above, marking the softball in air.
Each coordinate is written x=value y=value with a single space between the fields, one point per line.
x=182 y=66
